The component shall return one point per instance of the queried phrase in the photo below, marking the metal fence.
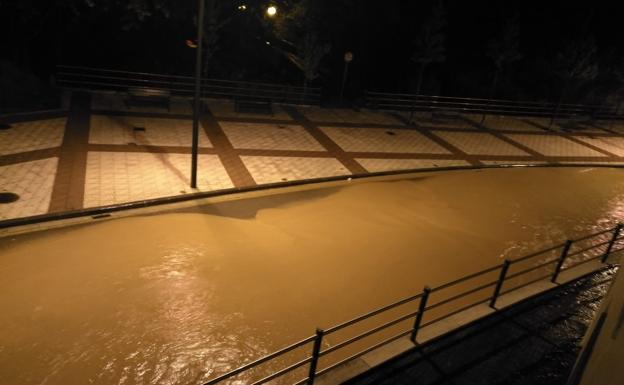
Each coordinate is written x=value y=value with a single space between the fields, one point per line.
x=76 y=77
x=509 y=276
x=407 y=102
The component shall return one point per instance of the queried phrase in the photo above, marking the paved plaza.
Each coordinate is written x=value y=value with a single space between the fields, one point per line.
x=101 y=152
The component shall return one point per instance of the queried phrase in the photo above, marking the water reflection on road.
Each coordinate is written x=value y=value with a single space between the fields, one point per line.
x=177 y=298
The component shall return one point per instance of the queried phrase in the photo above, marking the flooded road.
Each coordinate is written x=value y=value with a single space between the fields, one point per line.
x=181 y=297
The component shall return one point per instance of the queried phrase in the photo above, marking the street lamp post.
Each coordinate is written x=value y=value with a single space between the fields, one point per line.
x=196 y=105
x=348 y=57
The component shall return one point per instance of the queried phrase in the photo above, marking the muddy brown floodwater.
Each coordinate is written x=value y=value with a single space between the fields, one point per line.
x=180 y=297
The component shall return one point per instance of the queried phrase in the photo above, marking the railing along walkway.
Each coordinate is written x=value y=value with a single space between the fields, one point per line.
x=450 y=105
x=507 y=277
x=76 y=77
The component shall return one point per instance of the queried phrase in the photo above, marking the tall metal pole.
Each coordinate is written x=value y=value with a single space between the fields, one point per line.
x=344 y=80
x=196 y=106
x=348 y=57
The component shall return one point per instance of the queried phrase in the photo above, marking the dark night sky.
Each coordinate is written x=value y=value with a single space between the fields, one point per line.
x=380 y=33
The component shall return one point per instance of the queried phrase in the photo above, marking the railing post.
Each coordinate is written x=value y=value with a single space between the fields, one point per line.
x=499 y=284
x=421 y=311
x=616 y=234
x=316 y=348
x=564 y=254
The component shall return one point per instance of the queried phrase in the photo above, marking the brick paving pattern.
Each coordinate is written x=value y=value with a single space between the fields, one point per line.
x=104 y=151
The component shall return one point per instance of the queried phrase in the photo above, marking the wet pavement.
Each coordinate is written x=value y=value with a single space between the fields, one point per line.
x=533 y=343
x=100 y=151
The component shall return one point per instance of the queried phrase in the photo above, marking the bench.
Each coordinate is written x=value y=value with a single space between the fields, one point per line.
x=253 y=105
x=575 y=122
x=445 y=114
x=148 y=96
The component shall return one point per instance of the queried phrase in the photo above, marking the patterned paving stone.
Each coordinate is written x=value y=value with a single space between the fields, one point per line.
x=477 y=143
x=117 y=177
x=272 y=169
x=614 y=145
x=382 y=140
x=29 y=136
x=270 y=137
x=551 y=145
x=158 y=132
x=615 y=126
x=379 y=165
x=225 y=109
x=33 y=182
x=116 y=101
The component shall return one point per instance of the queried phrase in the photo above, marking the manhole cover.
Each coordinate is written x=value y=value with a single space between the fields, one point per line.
x=4 y=126
x=8 y=197
x=391 y=133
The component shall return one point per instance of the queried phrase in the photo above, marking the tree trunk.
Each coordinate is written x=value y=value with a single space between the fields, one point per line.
x=492 y=90
x=418 y=85
x=618 y=104
x=556 y=112
x=305 y=90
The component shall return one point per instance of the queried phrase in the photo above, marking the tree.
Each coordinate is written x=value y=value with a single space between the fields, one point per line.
x=503 y=50
x=300 y=34
x=618 y=85
x=430 y=45
x=576 y=64
x=215 y=22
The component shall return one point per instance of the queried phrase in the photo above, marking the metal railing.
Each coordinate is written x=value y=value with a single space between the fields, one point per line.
x=409 y=102
x=562 y=257
x=76 y=77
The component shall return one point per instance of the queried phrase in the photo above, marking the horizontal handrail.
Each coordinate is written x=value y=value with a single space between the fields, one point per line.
x=368 y=333
x=261 y=360
x=617 y=250
x=541 y=278
x=530 y=269
x=585 y=249
x=535 y=254
x=461 y=295
x=461 y=309
x=410 y=97
x=593 y=235
x=411 y=102
x=423 y=308
x=365 y=351
x=468 y=100
x=584 y=261
x=372 y=313
x=283 y=371
x=95 y=78
x=191 y=78
x=466 y=278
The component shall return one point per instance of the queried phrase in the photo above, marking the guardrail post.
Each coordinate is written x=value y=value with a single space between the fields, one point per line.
x=616 y=234
x=564 y=254
x=499 y=284
x=316 y=348
x=421 y=311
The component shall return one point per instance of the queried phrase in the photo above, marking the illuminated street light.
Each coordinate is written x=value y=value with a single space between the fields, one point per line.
x=242 y=7
x=271 y=11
